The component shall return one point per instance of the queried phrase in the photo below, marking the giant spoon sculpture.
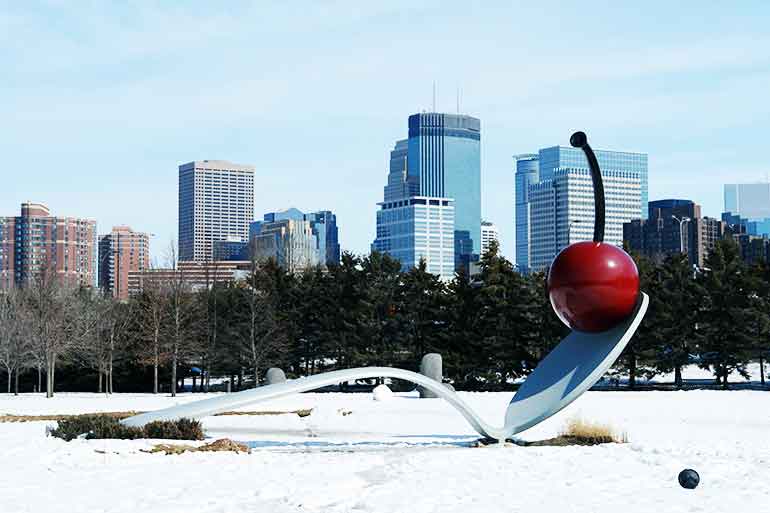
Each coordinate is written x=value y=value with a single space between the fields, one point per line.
x=594 y=289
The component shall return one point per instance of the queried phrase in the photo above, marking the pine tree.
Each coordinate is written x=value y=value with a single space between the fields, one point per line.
x=727 y=321
x=677 y=306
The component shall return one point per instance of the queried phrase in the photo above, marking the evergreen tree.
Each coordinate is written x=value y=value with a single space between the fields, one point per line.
x=424 y=308
x=678 y=302
x=727 y=321
x=762 y=312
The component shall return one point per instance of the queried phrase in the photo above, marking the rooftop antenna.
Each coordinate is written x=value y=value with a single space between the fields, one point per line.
x=434 y=96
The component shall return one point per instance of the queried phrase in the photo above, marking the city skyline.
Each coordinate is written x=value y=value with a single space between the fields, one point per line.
x=104 y=101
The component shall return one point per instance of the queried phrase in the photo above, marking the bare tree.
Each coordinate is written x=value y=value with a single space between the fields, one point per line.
x=14 y=342
x=152 y=317
x=182 y=321
x=59 y=318
x=100 y=349
x=258 y=328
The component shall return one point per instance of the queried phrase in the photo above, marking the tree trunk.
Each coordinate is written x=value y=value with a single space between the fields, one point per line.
x=173 y=373
x=16 y=384
x=109 y=380
x=39 y=378
x=10 y=378
x=155 y=365
x=99 y=388
x=762 y=370
x=50 y=376
x=678 y=377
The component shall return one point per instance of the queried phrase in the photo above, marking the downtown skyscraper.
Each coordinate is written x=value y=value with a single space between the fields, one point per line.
x=432 y=201
x=748 y=200
x=555 y=203
x=216 y=202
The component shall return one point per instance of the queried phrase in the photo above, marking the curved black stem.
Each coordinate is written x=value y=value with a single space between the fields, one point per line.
x=579 y=140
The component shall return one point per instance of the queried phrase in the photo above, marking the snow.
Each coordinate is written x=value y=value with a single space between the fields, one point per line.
x=354 y=454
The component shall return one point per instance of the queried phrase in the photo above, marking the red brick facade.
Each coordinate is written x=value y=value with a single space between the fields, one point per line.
x=37 y=242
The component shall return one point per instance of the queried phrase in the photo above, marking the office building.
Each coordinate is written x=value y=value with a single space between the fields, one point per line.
x=488 y=234
x=527 y=173
x=673 y=226
x=37 y=242
x=754 y=249
x=748 y=200
x=120 y=252
x=216 y=202
x=440 y=160
x=560 y=204
x=738 y=224
x=287 y=239
x=418 y=228
x=231 y=250
x=323 y=225
x=192 y=275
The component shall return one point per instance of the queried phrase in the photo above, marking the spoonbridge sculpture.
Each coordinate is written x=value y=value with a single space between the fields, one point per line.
x=592 y=286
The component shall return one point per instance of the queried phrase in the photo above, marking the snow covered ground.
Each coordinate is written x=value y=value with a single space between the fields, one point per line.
x=401 y=455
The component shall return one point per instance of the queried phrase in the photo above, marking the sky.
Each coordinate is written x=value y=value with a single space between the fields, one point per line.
x=101 y=102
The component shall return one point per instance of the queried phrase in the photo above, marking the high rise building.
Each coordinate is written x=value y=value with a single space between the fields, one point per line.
x=323 y=224
x=120 y=252
x=673 y=226
x=216 y=202
x=488 y=234
x=440 y=160
x=231 y=250
x=288 y=239
x=527 y=173
x=748 y=200
x=738 y=224
x=561 y=203
x=418 y=228
x=36 y=242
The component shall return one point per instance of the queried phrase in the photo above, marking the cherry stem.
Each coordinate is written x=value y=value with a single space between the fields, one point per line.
x=580 y=140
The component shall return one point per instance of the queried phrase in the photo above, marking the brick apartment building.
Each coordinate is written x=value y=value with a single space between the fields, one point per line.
x=36 y=242
x=120 y=252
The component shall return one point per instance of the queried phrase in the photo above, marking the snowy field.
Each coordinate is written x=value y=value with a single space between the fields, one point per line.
x=401 y=455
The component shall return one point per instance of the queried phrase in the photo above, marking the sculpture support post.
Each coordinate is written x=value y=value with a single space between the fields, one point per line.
x=431 y=367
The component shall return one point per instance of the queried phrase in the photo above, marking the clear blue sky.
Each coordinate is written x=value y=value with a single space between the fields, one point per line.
x=100 y=101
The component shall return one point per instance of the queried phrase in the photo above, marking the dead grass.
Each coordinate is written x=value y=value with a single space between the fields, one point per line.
x=222 y=445
x=592 y=433
x=580 y=432
x=120 y=415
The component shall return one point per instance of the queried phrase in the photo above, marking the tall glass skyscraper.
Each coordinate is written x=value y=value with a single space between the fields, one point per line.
x=440 y=160
x=444 y=157
x=558 y=202
x=748 y=200
x=526 y=174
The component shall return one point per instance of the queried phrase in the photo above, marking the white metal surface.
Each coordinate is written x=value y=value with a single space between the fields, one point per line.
x=573 y=367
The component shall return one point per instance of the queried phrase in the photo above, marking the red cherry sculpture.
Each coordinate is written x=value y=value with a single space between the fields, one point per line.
x=593 y=286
